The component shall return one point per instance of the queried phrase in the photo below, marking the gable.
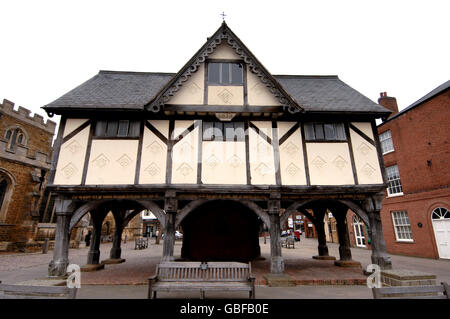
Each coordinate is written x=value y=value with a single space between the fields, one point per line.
x=258 y=87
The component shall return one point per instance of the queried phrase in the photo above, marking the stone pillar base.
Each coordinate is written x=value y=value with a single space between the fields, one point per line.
x=113 y=261
x=276 y=265
x=92 y=267
x=57 y=268
x=324 y=257
x=348 y=263
x=383 y=261
x=279 y=280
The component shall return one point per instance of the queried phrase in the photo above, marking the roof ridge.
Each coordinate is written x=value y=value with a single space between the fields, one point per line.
x=134 y=72
x=306 y=76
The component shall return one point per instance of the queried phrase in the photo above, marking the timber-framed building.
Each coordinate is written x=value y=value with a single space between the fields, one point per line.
x=219 y=148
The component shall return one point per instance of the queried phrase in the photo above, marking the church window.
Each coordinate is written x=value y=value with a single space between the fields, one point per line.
x=15 y=136
x=325 y=132
x=225 y=74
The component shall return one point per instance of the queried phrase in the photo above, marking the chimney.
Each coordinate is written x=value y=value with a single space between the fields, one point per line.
x=388 y=102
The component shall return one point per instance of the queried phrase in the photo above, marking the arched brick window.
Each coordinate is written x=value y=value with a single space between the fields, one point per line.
x=7 y=183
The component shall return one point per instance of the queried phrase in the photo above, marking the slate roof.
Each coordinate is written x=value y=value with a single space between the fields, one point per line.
x=133 y=90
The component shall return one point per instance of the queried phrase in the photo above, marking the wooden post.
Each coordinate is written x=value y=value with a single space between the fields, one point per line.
x=276 y=260
x=170 y=207
x=344 y=241
x=116 y=250
x=63 y=210
x=94 y=249
x=378 y=244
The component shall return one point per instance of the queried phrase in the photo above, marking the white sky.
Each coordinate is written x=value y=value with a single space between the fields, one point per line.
x=50 y=47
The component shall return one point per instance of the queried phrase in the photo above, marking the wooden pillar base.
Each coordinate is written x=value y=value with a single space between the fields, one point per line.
x=348 y=263
x=92 y=267
x=324 y=257
x=57 y=268
x=113 y=261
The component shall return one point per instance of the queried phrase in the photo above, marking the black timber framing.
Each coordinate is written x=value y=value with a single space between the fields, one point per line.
x=305 y=155
x=260 y=133
x=276 y=153
x=170 y=144
x=350 y=150
x=155 y=131
x=139 y=153
x=360 y=133
x=247 y=151
x=56 y=150
x=88 y=155
x=199 y=151
x=76 y=131
x=289 y=133
x=379 y=152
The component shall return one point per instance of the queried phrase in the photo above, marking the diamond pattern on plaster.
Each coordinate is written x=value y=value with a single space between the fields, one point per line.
x=262 y=169
x=101 y=161
x=368 y=170
x=193 y=88
x=185 y=169
x=124 y=161
x=318 y=162
x=185 y=149
x=74 y=147
x=340 y=162
x=212 y=161
x=363 y=148
x=154 y=147
x=292 y=169
x=291 y=148
x=152 y=169
x=234 y=161
x=69 y=170
x=225 y=96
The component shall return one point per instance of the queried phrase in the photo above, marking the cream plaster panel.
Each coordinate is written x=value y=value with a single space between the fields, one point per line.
x=185 y=155
x=329 y=164
x=365 y=127
x=223 y=163
x=225 y=95
x=264 y=126
x=192 y=91
x=72 y=125
x=261 y=160
x=224 y=51
x=292 y=165
x=366 y=160
x=257 y=92
x=69 y=169
x=162 y=126
x=112 y=162
x=154 y=159
x=284 y=127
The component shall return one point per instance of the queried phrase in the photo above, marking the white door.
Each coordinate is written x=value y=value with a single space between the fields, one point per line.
x=358 y=227
x=441 y=226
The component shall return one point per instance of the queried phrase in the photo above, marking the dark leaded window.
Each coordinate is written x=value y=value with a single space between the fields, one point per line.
x=116 y=128
x=325 y=132
x=225 y=73
x=223 y=131
x=15 y=136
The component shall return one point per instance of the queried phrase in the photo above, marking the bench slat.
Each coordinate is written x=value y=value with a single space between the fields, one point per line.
x=35 y=289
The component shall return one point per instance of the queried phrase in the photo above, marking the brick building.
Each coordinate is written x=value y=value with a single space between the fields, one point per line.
x=416 y=151
x=25 y=149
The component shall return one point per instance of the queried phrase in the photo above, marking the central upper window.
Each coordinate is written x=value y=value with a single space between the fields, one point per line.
x=225 y=73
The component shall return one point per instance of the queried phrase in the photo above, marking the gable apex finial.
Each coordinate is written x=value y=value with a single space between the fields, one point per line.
x=223 y=15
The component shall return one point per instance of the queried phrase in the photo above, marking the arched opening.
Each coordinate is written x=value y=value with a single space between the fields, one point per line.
x=7 y=183
x=221 y=231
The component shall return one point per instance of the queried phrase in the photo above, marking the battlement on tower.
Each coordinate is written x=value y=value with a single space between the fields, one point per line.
x=23 y=114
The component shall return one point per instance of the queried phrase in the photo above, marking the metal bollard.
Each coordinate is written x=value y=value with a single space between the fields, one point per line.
x=45 y=247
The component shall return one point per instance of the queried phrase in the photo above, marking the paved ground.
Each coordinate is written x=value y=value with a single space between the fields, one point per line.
x=127 y=280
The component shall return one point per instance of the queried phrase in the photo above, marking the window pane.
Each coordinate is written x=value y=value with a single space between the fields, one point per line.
x=218 y=129
x=20 y=139
x=134 y=128
x=340 y=131
x=214 y=73
x=225 y=78
x=8 y=134
x=309 y=131
x=229 y=131
x=208 y=130
x=318 y=130
x=329 y=131
x=111 y=130
x=100 y=128
x=123 y=128
x=236 y=73
x=239 y=131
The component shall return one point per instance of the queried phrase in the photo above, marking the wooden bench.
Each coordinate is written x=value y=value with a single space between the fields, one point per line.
x=37 y=292
x=141 y=243
x=287 y=242
x=195 y=276
x=441 y=291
